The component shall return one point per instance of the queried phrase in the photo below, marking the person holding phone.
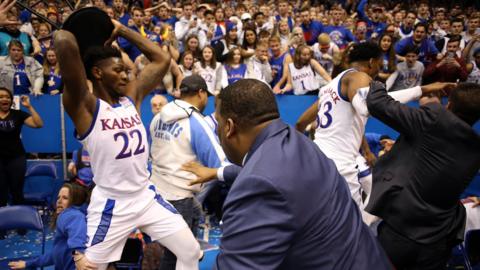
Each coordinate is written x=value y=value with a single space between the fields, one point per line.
x=450 y=68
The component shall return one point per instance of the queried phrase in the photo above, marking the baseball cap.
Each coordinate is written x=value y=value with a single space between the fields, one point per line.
x=246 y=16
x=193 y=83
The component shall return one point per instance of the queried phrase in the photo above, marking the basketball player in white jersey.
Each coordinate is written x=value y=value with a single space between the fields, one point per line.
x=341 y=111
x=109 y=126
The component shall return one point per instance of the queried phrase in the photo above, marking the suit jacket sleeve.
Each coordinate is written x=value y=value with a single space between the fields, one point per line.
x=404 y=119
x=249 y=242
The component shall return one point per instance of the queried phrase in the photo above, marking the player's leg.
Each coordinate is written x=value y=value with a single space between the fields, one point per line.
x=108 y=227
x=364 y=177
x=185 y=247
x=350 y=173
x=163 y=224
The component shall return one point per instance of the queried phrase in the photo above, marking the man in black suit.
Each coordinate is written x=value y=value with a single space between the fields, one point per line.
x=416 y=186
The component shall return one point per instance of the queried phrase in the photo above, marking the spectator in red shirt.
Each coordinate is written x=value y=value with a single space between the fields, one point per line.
x=450 y=68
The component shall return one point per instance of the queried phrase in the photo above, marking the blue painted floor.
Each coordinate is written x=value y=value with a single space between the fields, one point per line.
x=30 y=245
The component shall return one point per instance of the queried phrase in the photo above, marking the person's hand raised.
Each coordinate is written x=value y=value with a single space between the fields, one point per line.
x=5 y=6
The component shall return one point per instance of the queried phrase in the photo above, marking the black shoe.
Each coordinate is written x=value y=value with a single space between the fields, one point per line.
x=21 y=232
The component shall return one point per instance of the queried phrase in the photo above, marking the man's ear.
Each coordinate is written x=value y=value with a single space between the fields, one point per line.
x=230 y=128
x=97 y=73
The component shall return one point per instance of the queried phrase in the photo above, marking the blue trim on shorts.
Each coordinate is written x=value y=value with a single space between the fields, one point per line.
x=104 y=225
x=364 y=173
x=162 y=202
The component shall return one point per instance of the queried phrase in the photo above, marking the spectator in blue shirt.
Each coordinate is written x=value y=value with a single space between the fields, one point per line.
x=340 y=35
x=311 y=29
x=137 y=17
x=120 y=11
x=419 y=39
x=71 y=230
x=374 y=25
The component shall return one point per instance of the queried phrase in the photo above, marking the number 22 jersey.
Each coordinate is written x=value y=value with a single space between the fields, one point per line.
x=340 y=128
x=118 y=148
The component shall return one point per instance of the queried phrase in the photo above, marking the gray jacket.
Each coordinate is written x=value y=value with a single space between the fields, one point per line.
x=33 y=69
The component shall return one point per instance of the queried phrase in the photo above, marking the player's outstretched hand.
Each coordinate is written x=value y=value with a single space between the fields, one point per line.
x=204 y=174
x=5 y=6
x=438 y=86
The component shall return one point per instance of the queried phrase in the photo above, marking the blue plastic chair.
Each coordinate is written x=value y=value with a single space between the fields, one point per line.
x=39 y=187
x=22 y=217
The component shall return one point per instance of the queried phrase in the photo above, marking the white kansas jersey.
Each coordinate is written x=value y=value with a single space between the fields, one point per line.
x=118 y=148
x=340 y=128
x=303 y=79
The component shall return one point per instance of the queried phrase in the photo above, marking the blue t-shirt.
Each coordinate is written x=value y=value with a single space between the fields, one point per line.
x=339 y=35
x=277 y=64
x=21 y=83
x=312 y=31
x=372 y=27
x=172 y=20
x=427 y=49
x=235 y=74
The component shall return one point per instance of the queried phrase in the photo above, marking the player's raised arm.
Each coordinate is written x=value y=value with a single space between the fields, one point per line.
x=77 y=100
x=153 y=73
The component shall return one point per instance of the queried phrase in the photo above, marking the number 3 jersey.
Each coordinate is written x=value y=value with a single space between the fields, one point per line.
x=340 y=128
x=118 y=148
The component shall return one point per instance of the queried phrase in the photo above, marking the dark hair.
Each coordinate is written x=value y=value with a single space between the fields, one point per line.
x=420 y=24
x=458 y=20
x=455 y=38
x=248 y=102
x=465 y=102
x=245 y=43
x=411 y=49
x=137 y=9
x=208 y=12
x=78 y=195
x=259 y=13
x=390 y=53
x=364 y=52
x=10 y=94
x=230 y=54
x=15 y=42
x=298 y=53
x=213 y=61
x=182 y=58
x=96 y=54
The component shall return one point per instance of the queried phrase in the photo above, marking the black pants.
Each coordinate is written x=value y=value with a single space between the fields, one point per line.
x=12 y=178
x=406 y=254
x=190 y=211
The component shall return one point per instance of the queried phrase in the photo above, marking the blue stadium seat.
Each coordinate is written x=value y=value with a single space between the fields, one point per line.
x=39 y=185
x=22 y=217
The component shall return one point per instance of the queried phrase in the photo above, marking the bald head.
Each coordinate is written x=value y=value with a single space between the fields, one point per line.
x=157 y=102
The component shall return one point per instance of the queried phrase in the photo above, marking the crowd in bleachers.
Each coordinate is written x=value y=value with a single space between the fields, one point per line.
x=295 y=47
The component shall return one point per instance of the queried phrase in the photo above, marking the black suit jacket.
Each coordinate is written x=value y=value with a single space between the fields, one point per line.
x=416 y=186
